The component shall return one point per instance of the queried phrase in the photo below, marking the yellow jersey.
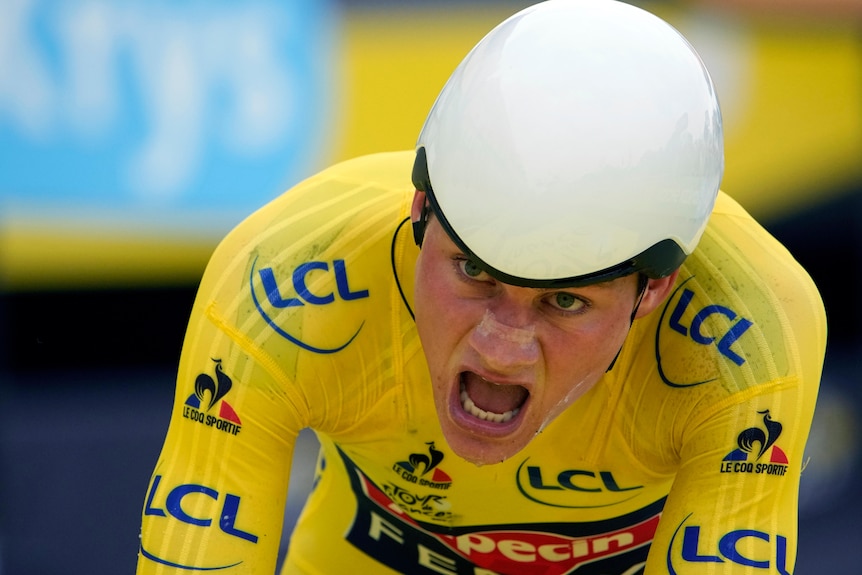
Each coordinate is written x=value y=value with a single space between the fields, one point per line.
x=685 y=458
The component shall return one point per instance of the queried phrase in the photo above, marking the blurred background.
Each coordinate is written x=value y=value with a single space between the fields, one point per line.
x=134 y=134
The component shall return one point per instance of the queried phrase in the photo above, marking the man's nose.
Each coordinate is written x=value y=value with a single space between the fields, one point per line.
x=503 y=347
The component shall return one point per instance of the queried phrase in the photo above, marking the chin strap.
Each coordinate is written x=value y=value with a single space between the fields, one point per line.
x=643 y=281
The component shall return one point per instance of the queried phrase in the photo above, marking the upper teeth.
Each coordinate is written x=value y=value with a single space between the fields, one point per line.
x=472 y=409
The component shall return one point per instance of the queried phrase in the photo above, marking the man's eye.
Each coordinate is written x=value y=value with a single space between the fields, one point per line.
x=566 y=301
x=470 y=268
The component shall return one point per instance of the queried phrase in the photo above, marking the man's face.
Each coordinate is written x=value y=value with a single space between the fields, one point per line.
x=506 y=360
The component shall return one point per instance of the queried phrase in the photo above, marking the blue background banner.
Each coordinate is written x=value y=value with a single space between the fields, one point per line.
x=152 y=113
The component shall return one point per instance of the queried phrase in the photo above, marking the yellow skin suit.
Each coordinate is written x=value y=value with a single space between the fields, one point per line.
x=684 y=458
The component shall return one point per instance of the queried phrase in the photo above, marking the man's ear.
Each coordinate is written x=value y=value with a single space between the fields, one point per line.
x=419 y=216
x=657 y=290
x=418 y=206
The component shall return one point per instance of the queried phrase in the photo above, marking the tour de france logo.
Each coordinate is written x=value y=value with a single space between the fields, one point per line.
x=208 y=393
x=757 y=452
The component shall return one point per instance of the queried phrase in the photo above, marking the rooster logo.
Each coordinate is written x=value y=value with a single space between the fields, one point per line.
x=209 y=392
x=423 y=464
x=428 y=462
x=756 y=441
x=217 y=388
x=754 y=437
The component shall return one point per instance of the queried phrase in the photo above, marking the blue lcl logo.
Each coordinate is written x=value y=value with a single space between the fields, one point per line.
x=279 y=298
x=226 y=517
x=270 y=286
x=772 y=549
x=222 y=511
x=696 y=333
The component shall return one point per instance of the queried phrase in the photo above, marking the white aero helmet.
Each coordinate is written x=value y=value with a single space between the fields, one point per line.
x=578 y=142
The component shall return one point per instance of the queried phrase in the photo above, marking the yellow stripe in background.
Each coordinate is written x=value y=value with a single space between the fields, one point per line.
x=395 y=62
x=800 y=139
x=793 y=136
x=33 y=257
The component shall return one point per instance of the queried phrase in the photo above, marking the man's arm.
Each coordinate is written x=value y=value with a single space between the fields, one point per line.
x=733 y=506
x=217 y=494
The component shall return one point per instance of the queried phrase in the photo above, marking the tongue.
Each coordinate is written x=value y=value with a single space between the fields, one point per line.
x=491 y=397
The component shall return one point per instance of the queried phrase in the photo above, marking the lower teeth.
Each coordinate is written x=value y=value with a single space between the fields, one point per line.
x=475 y=411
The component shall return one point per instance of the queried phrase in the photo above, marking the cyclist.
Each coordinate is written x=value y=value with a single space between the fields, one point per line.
x=561 y=350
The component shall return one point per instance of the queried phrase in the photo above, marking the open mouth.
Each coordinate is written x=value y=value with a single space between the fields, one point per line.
x=489 y=401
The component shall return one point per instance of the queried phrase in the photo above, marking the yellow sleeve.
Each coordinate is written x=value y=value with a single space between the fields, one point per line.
x=217 y=495
x=733 y=505
x=273 y=346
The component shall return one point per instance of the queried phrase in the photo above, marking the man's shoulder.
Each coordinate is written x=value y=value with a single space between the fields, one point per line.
x=314 y=273
x=743 y=311
x=741 y=261
x=322 y=247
